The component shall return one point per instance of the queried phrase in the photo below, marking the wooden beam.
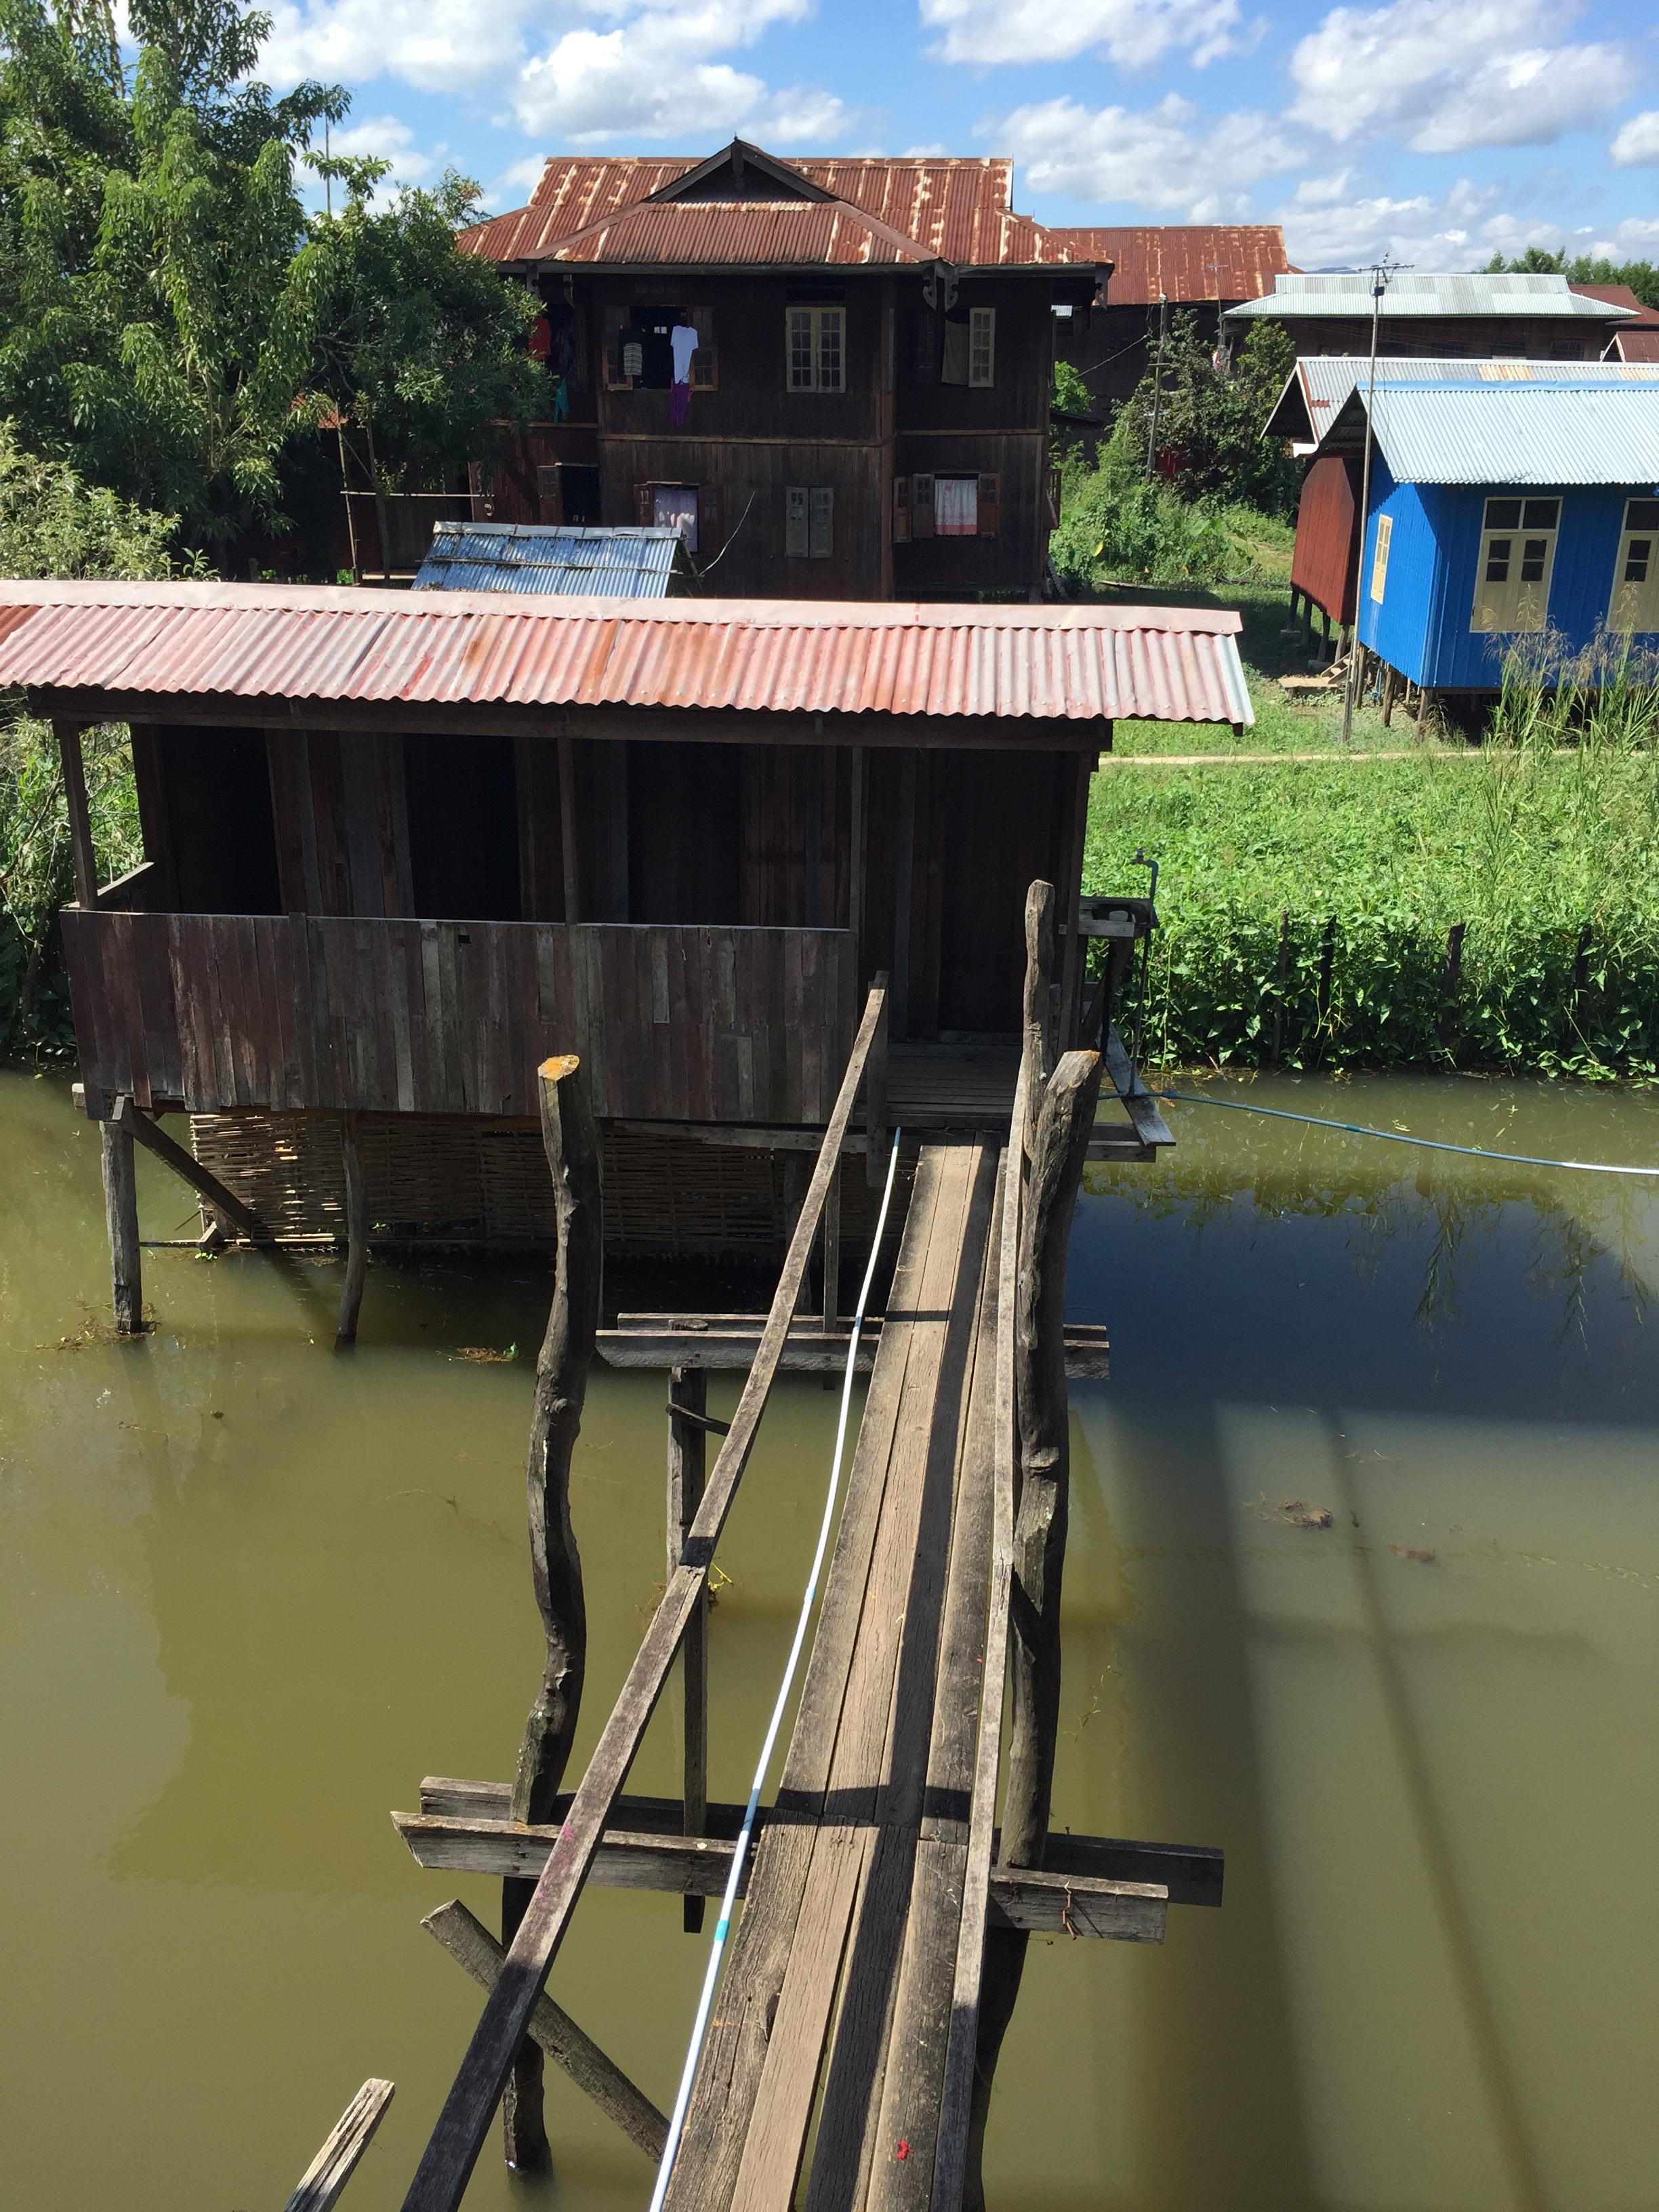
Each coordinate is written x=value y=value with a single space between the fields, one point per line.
x=693 y=1867
x=206 y=1185
x=743 y=1136
x=121 y=1219
x=452 y=2152
x=356 y=1213
x=687 y=1426
x=827 y=1320
x=1142 y=1108
x=471 y=1943
x=68 y=735
x=572 y=1145
x=335 y=2163
x=729 y=1341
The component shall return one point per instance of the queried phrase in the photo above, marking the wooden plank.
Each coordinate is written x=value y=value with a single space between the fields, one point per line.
x=470 y=1943
x=688 y=1412
x=206 y=1186
x=1149 y=1125
x=453 y=2148
x=336 y=2162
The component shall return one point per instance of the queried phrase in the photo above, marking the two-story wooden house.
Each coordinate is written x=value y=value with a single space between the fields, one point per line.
x=833 y=376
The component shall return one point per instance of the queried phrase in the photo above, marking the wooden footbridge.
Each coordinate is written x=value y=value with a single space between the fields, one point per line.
x=875 y=1965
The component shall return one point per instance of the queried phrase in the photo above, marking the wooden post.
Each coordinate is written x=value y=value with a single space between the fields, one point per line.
x=875 y=1101
x=1070 y=894
x=356 y=1210
x=1390 y=679
x=121 y=1213
x=688 y=1389
x=572 y=904
x=80 y=817
x=223 y=1204
x=571 y=1142
x=855 y=865
x=899 y=995
x=831 y=1250
x=1038 y=1015
x=1059 y=1147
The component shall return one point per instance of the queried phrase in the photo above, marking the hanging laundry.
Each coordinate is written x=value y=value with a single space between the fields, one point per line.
x=541 y=338
x=682 y=345
x=632 y=351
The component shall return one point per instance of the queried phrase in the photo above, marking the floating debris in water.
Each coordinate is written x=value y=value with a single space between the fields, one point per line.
x=1411 y=1552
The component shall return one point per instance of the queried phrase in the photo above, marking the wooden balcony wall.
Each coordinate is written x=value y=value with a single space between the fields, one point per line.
x=674 y=1022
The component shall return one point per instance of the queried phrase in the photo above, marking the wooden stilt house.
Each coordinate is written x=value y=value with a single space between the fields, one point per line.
x=398 y=849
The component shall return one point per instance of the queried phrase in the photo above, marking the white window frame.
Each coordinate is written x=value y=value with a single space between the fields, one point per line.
x=983 y=348
x=1633 y=602
x=815 y=348
x=1514 y=603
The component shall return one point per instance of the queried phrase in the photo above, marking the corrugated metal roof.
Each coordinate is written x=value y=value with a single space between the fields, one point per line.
x=1319 y=384
x=720 y=234
x=1349 y=293
x=530 y=556
x=1512 y=433
x=1621 y=296
x=952 y=209
x=1183 y=261
x=291 y=641
x=1633 y=346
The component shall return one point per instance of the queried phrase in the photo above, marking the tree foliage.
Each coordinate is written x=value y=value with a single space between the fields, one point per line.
x=1642 y=277
x=1202 y=424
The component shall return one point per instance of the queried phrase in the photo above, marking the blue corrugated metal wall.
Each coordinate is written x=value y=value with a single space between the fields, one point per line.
x=1422 y=627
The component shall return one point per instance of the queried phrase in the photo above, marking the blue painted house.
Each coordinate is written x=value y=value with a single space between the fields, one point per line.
x=1501 y=509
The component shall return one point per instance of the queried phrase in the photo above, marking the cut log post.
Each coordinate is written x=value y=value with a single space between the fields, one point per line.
x=469 y=1941
x=121 y=1214
x=1041 y=1424
x=688 y=1394
x=335 y=2163
x=357 y=1212
x=571 y=1142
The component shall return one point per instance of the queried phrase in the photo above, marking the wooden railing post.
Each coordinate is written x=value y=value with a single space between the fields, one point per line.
x=121 y=1216
x=1039 y=972
x=688 y=1408
x=571 y=1141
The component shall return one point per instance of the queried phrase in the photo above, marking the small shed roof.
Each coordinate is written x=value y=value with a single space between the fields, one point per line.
x=1348 y=293
x=1182 y=262
x=1317 y=387
x=1621 y=296
x=293 y=642
x=1584 y=432
x=530 y=556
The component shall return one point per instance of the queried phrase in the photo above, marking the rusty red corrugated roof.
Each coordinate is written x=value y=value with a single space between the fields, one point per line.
x=1636 y=345
x=295 y=641
x=1621 y=296
x=955 y=209
x=707 y=234
x=1184 y=262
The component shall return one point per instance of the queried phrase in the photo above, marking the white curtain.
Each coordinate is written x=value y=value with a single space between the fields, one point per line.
x=955 y=507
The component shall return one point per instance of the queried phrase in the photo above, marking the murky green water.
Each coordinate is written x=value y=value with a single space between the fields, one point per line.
x=250 y=1592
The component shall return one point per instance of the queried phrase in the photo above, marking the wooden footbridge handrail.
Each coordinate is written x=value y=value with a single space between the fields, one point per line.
x=450 y=2156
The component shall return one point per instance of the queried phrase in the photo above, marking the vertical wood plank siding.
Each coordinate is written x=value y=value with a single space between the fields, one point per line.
x=674 y=1023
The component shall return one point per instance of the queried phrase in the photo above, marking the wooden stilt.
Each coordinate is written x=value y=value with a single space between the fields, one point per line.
x=875 y=1105
x=220 y=1202
x=336 y=2161
x=687 y=1395
x=357 y=1212
x=1390 y=679
x=1041 y=1420
x=571 y=1141
x=80 y=818
x=121 y=1213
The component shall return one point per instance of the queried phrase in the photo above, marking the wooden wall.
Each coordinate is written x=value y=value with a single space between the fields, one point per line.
x=223 y=1012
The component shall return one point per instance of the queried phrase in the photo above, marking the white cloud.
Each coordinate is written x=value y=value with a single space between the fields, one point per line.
x=1448 y=75
x=1335 y=222
x=1166 y=157
x=1638 y=140
x=607 y=69
x=1132 y=33
x=383 y=138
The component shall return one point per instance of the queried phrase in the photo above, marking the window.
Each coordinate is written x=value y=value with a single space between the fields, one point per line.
x=955 y=507
x=639 y=353
x=946 y=506
x=815 y=349
x=982 y=346
x=1635 y=602
x=1518 y=555
x=810 y=522
x=674 y=506
x=1380 y=558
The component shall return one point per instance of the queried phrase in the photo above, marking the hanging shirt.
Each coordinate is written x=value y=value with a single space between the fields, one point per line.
x=683 y=341
x=541 y=338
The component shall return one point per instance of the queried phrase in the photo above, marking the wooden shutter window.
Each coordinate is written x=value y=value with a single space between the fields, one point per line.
x=990 y=511
x=901 y=510
x=921 y=506
x=797 y=536
x=821 y=526
x=644 y=506
x=982 y=347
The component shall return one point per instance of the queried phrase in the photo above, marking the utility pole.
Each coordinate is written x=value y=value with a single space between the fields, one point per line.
x=1381 y=272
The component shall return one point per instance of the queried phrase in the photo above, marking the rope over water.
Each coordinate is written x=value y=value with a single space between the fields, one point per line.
x=745 y=1834
x=1399 y=1136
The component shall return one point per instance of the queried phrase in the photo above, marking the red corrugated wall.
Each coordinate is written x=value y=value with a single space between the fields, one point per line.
x=1324 y=562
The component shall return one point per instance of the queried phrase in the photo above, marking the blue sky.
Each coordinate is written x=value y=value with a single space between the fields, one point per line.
x=1441 y=130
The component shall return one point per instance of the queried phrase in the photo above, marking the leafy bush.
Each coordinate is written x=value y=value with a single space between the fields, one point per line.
x=1201 y=425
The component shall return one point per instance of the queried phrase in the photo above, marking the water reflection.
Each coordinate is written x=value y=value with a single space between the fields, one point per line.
x=1365 y=1539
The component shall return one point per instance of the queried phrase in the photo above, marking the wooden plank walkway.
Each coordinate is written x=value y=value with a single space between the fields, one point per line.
x=832 y=2019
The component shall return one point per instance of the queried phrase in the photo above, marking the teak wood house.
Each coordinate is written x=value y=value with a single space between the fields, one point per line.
x=400 y=847
x=833 y=376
